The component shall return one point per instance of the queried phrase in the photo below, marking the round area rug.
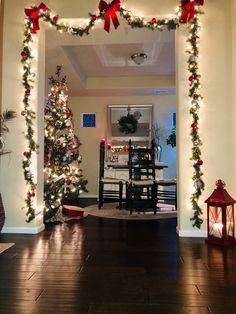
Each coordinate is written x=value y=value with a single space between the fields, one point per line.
x=109 y=210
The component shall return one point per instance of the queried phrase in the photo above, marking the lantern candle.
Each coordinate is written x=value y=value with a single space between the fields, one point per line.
x=217 y=230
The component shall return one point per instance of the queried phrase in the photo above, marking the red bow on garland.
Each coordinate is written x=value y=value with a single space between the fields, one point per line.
x=33 y=14
x=189 y=9
x=110 y=13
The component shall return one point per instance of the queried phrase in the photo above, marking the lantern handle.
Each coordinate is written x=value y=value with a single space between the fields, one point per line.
x=220 y=184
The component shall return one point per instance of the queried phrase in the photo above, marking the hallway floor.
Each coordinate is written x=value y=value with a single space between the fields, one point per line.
x=105 y=266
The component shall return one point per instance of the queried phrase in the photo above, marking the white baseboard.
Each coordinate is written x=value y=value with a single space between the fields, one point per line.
x=22 y=230
x=191 y=233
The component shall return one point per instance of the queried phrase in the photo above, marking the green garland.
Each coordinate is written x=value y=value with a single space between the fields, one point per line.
x=195 y=99
x=44 y=14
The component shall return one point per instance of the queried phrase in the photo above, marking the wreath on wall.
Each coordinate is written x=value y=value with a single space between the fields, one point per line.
x=187 y=12
x=128 y=124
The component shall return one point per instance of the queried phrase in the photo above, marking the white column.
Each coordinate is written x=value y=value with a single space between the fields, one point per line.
x=217 y=113
x=12 y=184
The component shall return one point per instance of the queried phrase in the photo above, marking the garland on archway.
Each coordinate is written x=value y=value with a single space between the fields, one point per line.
x=188 y=12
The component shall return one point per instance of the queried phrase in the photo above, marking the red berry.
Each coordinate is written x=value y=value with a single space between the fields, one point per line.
x=200 y=162
x=194 y=125
x=154 y=21
x=191 y=78
x=55 y=19
x=93 y=17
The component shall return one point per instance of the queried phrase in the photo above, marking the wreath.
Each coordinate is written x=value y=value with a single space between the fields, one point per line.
x=128 y=124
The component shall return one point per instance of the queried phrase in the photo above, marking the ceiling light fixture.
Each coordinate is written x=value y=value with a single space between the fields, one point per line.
x=139 y=58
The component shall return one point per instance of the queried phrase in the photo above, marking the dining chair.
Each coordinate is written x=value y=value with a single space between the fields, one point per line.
x=141 y=189
x=165 y=195
x=110 y=189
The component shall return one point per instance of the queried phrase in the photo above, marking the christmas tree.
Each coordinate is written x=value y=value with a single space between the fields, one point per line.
x=63 y=177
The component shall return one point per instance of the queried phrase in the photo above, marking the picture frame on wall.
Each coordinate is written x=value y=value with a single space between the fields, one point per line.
x=88 y=120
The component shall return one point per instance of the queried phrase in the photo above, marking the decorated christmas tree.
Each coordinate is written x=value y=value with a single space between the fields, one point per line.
x=63 y=177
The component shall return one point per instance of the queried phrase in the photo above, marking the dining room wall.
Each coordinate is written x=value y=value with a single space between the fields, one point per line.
x=163 y=106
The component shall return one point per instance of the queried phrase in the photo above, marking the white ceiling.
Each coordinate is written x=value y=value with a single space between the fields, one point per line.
x=100 y=64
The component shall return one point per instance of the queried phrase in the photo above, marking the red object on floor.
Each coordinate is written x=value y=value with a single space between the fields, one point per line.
x=72 y=212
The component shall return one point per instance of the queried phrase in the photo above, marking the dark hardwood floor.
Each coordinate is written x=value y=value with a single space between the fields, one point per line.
x=104 y=266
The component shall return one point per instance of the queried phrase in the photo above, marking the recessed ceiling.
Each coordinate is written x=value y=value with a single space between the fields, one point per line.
x=100 y=64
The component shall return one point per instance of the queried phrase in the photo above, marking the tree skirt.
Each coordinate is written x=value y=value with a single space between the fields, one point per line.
x=5 y=246
x=109 y=210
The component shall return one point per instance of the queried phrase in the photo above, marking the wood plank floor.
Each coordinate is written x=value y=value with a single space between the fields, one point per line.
x=104 y=266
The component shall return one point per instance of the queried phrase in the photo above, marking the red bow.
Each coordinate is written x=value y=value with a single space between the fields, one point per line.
x=33 y=14
x=189 y=9
x=110 y=13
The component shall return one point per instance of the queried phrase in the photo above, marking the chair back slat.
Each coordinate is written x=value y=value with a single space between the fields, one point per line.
x=141 y=162
x=102 y=160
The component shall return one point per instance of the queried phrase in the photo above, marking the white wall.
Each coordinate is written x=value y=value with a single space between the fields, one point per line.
x=233 y=58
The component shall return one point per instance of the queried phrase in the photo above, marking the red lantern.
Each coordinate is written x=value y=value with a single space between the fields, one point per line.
x=220 y=216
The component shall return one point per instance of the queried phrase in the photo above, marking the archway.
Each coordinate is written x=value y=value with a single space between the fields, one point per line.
x=188 y=12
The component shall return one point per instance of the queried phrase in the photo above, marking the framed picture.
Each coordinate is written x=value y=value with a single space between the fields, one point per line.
x=88 y=120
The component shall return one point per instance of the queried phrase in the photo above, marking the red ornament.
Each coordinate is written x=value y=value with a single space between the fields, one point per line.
x=154 y=21
x=68 y=181
x=110 y=13
x=23 y=55
x=27 y=91
x=93 y=17
x=191 y=78
x=26 y=154
x=55 y=19
x=67 y=170
x=31 y=194
x=199 y=162
x=109 y=146
x=103 y=140
x=194 y=125
x=33 y=14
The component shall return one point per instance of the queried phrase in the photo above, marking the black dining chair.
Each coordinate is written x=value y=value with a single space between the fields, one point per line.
x=141 y=189
x=166 y=192
x=110 y=189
